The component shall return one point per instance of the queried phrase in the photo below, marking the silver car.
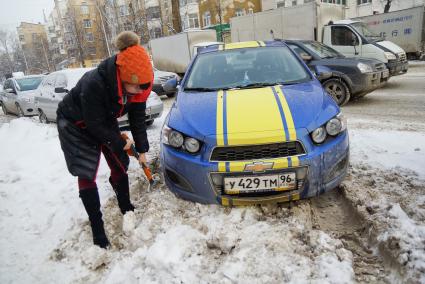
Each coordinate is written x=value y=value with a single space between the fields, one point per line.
x=18 y=94
x=57 y=84
x=161 y=78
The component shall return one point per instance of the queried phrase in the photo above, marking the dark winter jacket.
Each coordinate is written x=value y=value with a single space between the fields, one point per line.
x=96 y=104
x=87 y=120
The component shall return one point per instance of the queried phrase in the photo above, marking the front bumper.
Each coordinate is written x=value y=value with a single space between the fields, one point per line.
x=190 y=177
x=28 y=108
x=397 y=67
x=368 y=82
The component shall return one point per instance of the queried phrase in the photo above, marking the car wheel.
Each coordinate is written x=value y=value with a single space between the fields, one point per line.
x=42 y=117
x=338 y=90
x=149 y=122
x=20 y=111
x=170 y=95
x=4 y=109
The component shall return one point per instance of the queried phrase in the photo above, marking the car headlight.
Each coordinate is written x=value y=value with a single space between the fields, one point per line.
x=333 y=127
x=364 y=68
x=191 y=145
x=390 y=56
x=179 y=141
x=319 y=135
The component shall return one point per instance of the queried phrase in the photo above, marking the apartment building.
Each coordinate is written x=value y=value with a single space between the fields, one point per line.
x=35 y=47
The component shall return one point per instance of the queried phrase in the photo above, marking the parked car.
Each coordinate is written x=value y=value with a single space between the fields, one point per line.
x=161 y=77
x=251 y=124
x=351 y=77
x=56 y=85
x=17 y=96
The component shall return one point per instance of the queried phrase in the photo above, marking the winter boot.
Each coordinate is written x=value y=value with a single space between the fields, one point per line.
x=122 y=191
x=90 y=198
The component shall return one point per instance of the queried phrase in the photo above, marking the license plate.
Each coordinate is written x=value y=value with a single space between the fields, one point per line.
x=385 y=74
x=278 y=182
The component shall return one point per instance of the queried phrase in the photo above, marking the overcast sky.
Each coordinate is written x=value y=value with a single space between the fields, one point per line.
x=12 y=12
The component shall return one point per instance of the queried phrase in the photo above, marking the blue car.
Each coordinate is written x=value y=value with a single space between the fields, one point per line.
x=252 y=124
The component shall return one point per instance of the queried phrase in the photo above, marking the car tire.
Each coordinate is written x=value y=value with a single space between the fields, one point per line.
x=149 y=122
x=42 y=117
x=170 y=95
x=20 y=111
x=338 y=90
x=4 y=109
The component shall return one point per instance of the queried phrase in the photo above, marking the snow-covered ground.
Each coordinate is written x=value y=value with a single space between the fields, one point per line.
x=46 y=236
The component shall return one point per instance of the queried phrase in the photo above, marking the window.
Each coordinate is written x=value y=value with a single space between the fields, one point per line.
x=91 y=50
x=153 y=13
x=27 y=84
x=155 y=32
x=128 y=26
x=89 y=37
x=339 y=2
x=84 y=9
x=193 y=21
x=360 y=2
x=8 y=85
x=240 y=12
x=207 y=19
x=124 y=10
x=343 y=36
x=294 y=3
x=61 y=81
x=21 y=37
x=87 y=23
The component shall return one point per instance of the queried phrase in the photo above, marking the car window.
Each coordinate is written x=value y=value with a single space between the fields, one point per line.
x=7 y=85
x=27 y=84
x=342 y=36
x=237 y=68
x=321 y=50
x=61 y=81
x=297 y=49
x=49 y=81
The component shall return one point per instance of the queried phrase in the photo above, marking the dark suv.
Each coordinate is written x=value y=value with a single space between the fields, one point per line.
x=351 y=77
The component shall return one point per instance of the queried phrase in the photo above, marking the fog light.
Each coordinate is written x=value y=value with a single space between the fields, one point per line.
x=301 y=173
x=217 y=179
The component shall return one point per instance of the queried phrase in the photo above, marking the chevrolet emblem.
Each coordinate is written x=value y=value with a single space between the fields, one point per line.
x=258 y=167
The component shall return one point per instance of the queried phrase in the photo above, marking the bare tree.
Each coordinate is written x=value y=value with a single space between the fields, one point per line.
x=387 y=6
x=177 y=22
x=5 y=41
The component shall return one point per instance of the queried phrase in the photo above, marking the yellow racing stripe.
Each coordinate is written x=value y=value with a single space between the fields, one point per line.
x=244 y=44
x=288 y=115
x=219 y=130
x=295 y=161
x=250 y=113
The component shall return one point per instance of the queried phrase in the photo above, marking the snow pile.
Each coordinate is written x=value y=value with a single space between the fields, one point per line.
x=46 y=236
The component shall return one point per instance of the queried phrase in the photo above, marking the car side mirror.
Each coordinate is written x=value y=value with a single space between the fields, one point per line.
x=170 y=85
x=60 y=90
x=322 y=73
x=306 y=57
x=11 y=91
x=354 y=41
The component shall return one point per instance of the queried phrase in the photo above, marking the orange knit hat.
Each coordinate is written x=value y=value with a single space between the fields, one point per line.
x=133 y=61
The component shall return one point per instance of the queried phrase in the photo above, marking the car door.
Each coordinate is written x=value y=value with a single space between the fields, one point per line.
x=10 y=96
x=45 y=97
x=61 y=82
x=346 y=41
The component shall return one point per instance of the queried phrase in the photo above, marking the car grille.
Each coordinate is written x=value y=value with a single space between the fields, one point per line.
x=402 y=56
x=267 y=151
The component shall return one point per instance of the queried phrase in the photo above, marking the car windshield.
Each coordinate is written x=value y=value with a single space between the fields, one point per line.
x=27 y=84
x=321 y=50
x=364 y=30
x=245 y=68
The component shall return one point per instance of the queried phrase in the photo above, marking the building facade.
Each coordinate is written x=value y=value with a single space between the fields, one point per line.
x=35 y=47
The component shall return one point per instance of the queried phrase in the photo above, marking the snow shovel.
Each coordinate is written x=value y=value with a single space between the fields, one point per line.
x=153 y=180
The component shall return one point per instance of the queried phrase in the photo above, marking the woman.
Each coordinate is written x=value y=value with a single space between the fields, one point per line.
x=87 y=125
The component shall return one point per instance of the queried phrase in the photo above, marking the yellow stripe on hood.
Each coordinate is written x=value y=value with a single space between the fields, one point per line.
x=251 y=115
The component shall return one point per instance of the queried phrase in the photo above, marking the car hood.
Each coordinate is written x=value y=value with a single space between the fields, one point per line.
x=391 y=46
x=28 y=94
x=238 y=115
x=348 y=61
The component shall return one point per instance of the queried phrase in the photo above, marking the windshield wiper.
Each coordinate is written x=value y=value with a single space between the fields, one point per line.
x=254 y=85
x=200 y=89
